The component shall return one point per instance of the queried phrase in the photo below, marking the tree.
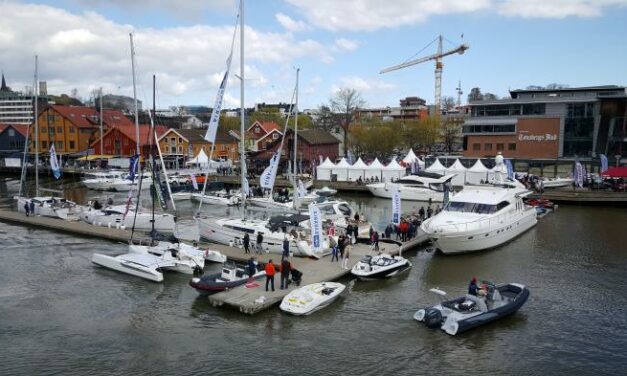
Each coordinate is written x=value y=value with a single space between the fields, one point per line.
x=448 y=104
x=490 y=97
x=420 y=134
x=325 y=118
x=345 y=104
x=475 y=95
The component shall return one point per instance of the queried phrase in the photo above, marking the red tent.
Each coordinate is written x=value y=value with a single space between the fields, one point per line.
x=615 y=172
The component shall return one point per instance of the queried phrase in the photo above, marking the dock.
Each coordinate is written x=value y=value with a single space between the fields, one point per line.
x=252 y=300
x=583 y=196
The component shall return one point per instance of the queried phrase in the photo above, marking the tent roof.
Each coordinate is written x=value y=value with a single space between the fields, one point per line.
x=200 y=158
x=376 y=164
x=457 y=166
x=359 y=164
x=436 y=166
x=616 y=172
x=342 y=163
x=478 y=167
x=394 y=166
x=410 y=157
x=327 y=163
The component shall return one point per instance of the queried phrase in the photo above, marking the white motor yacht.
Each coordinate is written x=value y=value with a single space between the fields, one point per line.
x=294 y=227
x=481 y=217
x=114 y=216
x=423 y=186
x=556 y=182
x=217 y=198
x=48 y=206
x=311 y=298
x=126 y=184
x=102 y=181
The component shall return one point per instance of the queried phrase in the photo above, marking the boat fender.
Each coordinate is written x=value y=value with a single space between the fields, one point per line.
x=433 y=318
x=109 y=224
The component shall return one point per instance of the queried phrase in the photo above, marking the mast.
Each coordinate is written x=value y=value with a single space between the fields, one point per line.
x=135 y=95
x=101 y=115
x=295 y=169
x=242 y=159
x=36 y=127
x=152 y=159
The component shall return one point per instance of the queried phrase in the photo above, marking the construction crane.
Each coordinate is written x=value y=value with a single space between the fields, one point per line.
x=438 y=67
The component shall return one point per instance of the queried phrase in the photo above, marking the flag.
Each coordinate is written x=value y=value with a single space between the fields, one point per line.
x=190 y=150
x=320 y=158
x=396 y=207
x=510 y=169
x=315 y=218
x=217 y=108
x=132 y=167
x=604 y=163
x=54 y=163
x=194 y=182
x=246 y=187
x=269 y=174
x=578 y=174
x=302 y=192
x=159 y=192
x=446 y=188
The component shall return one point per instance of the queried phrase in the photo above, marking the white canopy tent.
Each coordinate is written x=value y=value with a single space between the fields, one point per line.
x=375 y=170
x=477 y=173
x=358 y=169
x=200 y=160
x=436 y=167
x=459 y=170
x=393 y=171
x=323 y=172
x=410 y=157
x=341 y=170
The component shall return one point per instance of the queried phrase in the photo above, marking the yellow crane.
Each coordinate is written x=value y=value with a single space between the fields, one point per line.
x=438 y=67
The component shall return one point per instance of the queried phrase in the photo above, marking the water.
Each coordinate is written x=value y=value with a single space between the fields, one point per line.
x=61 y=315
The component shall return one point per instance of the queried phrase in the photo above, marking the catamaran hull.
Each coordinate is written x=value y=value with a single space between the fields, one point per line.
x=477 y=241
x=215 y=200
x=122 y=266
x=407 y=193
x=164 y=223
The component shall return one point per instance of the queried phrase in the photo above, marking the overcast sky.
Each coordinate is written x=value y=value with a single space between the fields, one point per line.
x=84 y=44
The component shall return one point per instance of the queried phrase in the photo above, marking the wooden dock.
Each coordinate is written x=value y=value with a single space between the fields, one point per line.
x=251 y=300
x=583 y=196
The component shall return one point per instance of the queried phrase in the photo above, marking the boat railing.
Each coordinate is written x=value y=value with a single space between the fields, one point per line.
x=474 y=225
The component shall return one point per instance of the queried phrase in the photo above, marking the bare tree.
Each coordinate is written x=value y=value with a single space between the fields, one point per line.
x=448 y=104
x=490 y=97
x=325 y=118
x=345 y=104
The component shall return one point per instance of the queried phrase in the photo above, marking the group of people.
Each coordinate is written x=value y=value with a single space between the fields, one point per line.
x=367 y=180
x=29 y=207
x=477 y=290
x=258 y=245
x=341 y=250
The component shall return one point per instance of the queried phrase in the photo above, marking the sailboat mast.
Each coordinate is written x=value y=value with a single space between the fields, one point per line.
x=135 y=95
x=101 y=131
x=37 y=127
x=295 y=169
x=152 y=159
x=242 y=159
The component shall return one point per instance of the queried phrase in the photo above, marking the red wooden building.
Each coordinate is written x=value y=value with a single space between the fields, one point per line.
x=120 y=140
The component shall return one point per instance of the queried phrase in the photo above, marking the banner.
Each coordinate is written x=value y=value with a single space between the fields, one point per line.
x=269 y=174
x=217 y=107
x=159 y=191
x=510 y=169
x=190 y=150
x=246 y=188
x=194 y=181
x=54 y=163
x=302 y=192
x=396 y=207
x=132 y=167
x=315 y=218
x=578 y=175
x=604 y=163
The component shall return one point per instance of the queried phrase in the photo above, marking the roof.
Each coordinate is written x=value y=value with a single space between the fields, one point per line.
x=317 y=137
x=567 y=89
x=267 y=126
x=114 y=118
x=197 y=136
x=77 y=115
x=20 y=128
x=129 y=131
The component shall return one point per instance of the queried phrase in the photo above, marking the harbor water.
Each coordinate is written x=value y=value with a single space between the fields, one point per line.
x=59 y=314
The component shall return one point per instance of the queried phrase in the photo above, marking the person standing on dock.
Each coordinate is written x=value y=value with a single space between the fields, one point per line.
x=341 y=245
x=26 y=209
x=429 y=212
x=285 y=268
x=246 y=243
x=347 y=253
x=259 y=242
x=286 y=248
x=421 y=213
x=252 y=267
x=375 y=240
x=270 y=274
x=32 y=207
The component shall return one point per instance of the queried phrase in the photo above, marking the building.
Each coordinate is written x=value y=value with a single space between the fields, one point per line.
x=549 y=123
x=16 y=107
x=177 y=145
x=411 y=108
x=261 y=134
x=119 y=140
x=73 y=128
x=281 y=109
x=12 y=138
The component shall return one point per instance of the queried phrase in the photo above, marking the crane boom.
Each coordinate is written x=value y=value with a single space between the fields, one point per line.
x=459 y=49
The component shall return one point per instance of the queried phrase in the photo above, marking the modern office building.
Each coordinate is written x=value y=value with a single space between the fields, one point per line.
x=17 y=107
x=549 y=123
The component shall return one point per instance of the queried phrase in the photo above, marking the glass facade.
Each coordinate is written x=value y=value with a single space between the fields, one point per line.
x=578 y=129
x=500 y=128
x=509 y=109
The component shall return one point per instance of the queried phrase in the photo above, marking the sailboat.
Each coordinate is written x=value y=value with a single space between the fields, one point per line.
x=45 y=206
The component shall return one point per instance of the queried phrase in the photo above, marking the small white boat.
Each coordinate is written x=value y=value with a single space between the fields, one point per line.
x=125 y=185
x=185 y=250
x=217 y=198
x=380 y=266
x=325 y=191
x=48 y=206
x=423 y=186
x=186 y=259
x=311 y=298
x=556 y=182
x=102 y=181
x=143 y=265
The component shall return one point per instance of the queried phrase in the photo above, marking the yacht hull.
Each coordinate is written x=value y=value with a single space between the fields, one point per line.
x=407 y=193
x=119 y=264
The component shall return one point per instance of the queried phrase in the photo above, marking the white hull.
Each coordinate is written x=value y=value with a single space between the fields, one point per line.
x=181 y=196
x=145 y=268
x=386 y=190
x=44 y=209
x=164 y=223
x=557 y=183
x=269 y=203
x=311 y=298
x=215 y=199
x=185 y=260
x=125 y=185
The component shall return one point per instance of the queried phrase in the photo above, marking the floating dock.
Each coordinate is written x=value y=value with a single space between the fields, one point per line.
x=583 y=196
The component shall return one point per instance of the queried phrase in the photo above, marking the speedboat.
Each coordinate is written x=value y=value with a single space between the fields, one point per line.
x=143 y=265
x=380 y=266
x=217 y=198
x=556 y=182
x=293 y=227
x=116 y=216
x=102 y=180
x=230 y=276
x=311 y=298
x=54 y=207
x=424 y=186
x=467 y=312
x=481 y=217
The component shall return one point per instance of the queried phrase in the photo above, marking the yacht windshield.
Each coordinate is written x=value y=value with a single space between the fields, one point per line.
x=470 y=207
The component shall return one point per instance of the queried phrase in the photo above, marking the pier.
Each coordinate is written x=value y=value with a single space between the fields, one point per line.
x=583 y=196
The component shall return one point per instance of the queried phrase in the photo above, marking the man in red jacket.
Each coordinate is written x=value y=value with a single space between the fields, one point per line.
x=270 y=274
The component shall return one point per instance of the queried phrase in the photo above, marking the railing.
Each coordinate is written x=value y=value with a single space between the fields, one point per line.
x=475 y=225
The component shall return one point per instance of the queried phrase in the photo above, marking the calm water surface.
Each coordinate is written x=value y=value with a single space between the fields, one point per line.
x=61 y=315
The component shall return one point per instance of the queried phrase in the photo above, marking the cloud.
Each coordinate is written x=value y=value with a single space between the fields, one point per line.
x=362 y=85
x=86 y=51
x=344 y=44
x=290 y=24
x=190 y=9
x=556 y=8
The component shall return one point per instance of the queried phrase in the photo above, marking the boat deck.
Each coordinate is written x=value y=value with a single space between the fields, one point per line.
x=251 y=300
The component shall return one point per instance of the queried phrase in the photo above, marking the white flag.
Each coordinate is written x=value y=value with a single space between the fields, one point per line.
x=217 y=108
x=302 y=192
x=315 y=218
x=269 y=174
x=246 y=187
x=194 y=182
x=396 y=207
x=54 y=163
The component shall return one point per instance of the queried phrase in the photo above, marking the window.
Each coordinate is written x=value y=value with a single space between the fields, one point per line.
x=51 y=130
x=72 y=129
x=500 y=147
x=180 y=149
x=71 y=144
x=487 y=147
x=501 y=205
x=173 y=149
x=11 y=132
x=44 y=130
x=476 y=147
x=44 y=144
x=275 y=136
x=50 y=119
x=59 y=145
x=257 y=130
x=59 y=129
x=511 y=146
x=180 y=140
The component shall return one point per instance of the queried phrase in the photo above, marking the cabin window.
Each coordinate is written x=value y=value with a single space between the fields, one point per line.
x=11 y=132
x=344 y=209
x=501 y=205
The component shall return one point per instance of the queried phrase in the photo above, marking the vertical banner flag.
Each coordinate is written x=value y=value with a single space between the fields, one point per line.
x=54 y=163
x=510 y=169
x=578 y=175
x=604 y=163
x=447 y=189
x=217 y=108
x=269 y=174
x=132 y=167
x=320 y=158
x=246 y=187
x=396 y=207
x=302 y=192
x=315 y=218
x=190 y=150
x=194 y=181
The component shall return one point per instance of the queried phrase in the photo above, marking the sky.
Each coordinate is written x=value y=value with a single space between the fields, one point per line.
x=84 y=45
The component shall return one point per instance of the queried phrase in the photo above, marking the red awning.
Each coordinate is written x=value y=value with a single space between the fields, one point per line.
x=615 y=172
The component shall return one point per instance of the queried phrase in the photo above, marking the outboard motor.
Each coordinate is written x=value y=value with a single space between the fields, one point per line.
x=433 y=318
